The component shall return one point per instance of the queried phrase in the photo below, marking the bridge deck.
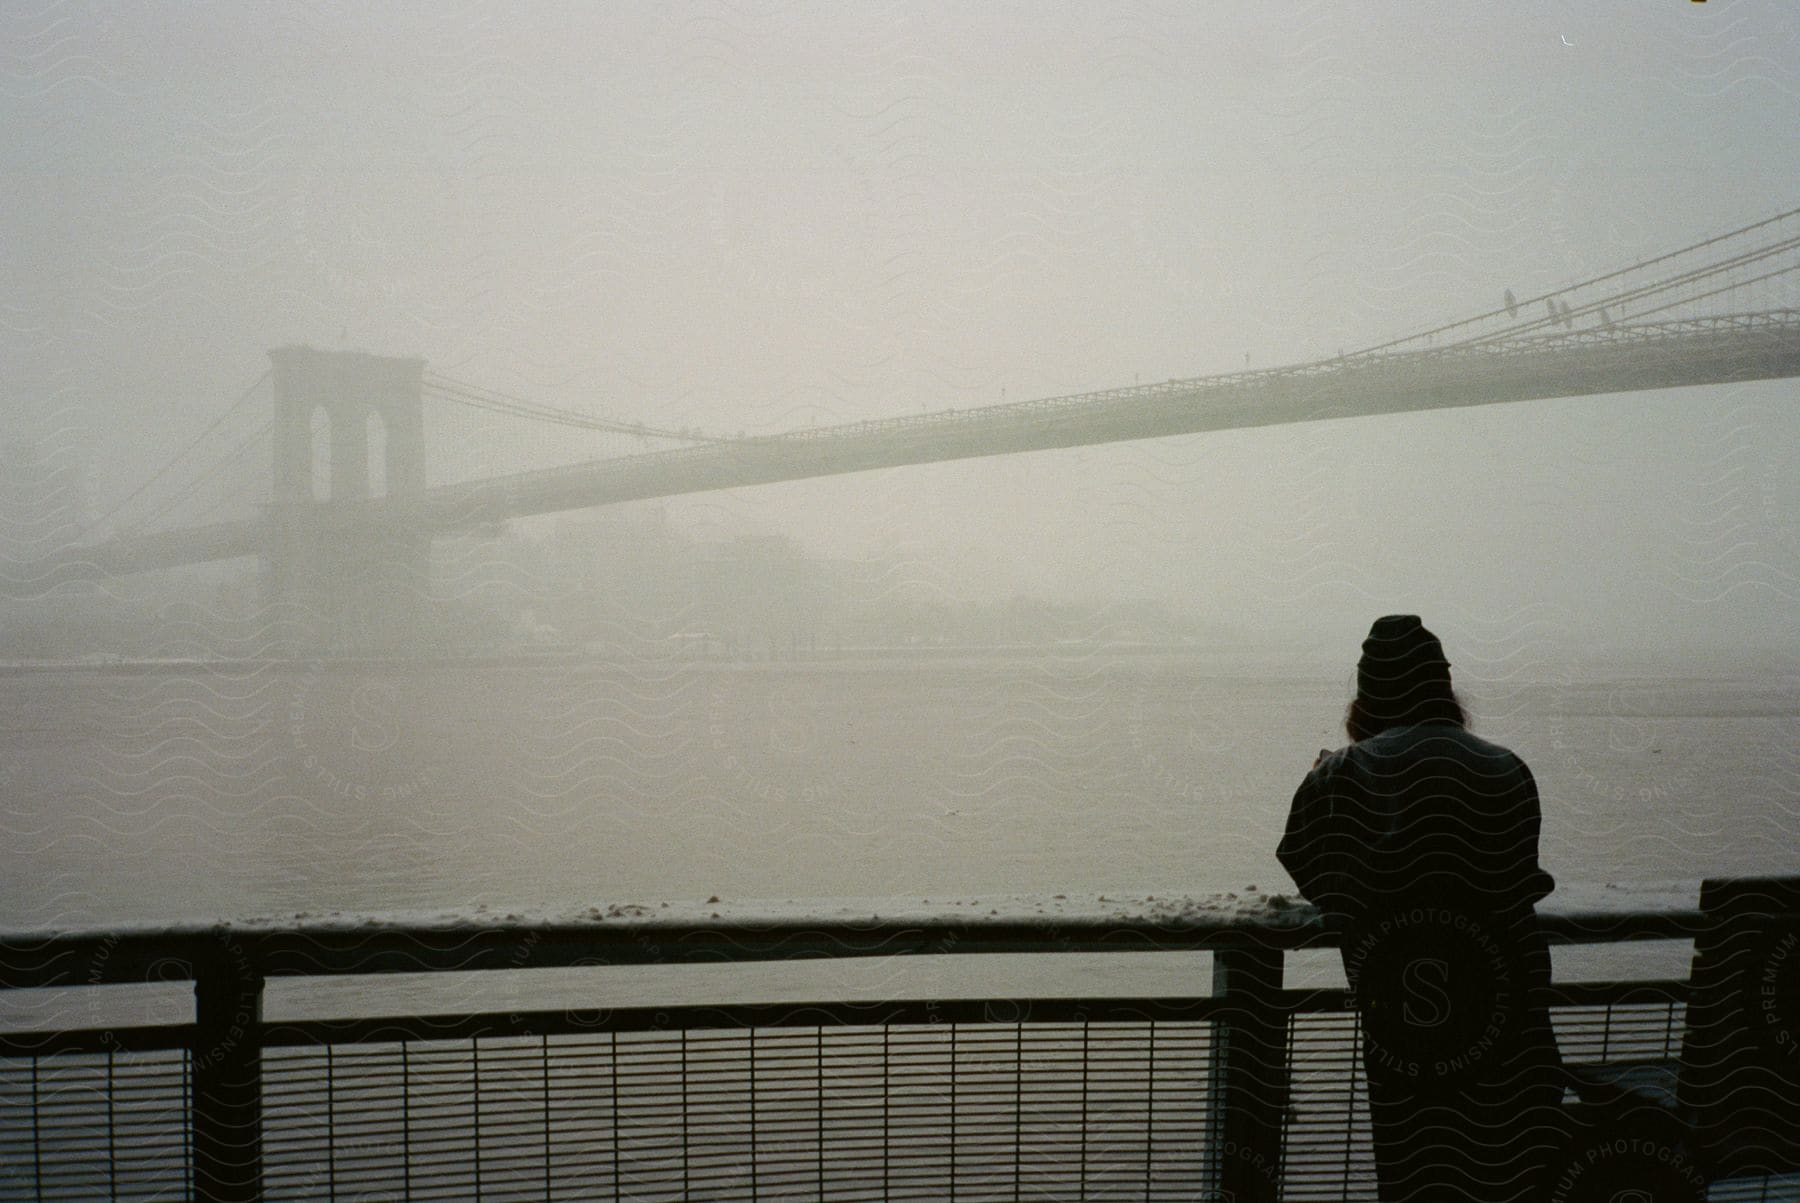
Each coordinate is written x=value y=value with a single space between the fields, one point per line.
x=1622 y=358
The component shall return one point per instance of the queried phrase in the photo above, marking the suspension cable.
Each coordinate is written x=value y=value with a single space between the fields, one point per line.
x=1520 y=304
x=1735 y=284
x=179 y=456
x=243 y=492
x=481 y=397
x=220 y=468
x=536 y=413
x=1623 y=298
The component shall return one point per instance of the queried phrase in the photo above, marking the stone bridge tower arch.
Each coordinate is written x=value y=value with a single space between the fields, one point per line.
x=349 y=386
x=362 y=586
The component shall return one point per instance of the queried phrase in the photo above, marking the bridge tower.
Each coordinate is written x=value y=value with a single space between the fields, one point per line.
x=362 y=585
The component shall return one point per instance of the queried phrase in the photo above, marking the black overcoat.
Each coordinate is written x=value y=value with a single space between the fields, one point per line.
x=1420 y=847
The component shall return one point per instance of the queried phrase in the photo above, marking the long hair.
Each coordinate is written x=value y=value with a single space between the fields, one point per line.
x=1368 y=717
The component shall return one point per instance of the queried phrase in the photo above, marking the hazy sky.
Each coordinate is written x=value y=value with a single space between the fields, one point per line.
x=760 y=216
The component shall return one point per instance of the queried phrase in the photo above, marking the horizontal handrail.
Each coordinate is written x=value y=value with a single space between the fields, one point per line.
x=296 y=1033
x=619 y=936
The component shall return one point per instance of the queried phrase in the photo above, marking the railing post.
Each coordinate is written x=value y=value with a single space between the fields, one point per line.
x=227 y=1074
x=1249 y=1075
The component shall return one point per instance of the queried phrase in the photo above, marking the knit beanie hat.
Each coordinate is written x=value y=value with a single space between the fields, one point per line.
x=1398 y=659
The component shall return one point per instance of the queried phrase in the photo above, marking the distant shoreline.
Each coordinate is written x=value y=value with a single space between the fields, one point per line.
x=1630 y=663
x=578 y=657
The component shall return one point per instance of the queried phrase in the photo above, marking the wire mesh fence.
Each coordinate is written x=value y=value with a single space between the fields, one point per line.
x=1097 y=1110
x=1104 y=1100
x=95 y=1125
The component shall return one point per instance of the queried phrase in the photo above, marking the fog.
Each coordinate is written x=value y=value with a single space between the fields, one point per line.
x=493 y=494
x=772 y=218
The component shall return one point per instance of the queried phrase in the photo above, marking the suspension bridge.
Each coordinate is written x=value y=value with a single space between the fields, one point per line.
x=344 y=530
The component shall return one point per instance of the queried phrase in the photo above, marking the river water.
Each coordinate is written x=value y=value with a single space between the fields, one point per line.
x=280 y=789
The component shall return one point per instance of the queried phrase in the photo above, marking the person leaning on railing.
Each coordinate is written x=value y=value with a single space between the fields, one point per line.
x=1418 y=843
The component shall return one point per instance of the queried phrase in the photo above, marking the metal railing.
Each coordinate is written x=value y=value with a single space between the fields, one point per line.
x=1250 y=1091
